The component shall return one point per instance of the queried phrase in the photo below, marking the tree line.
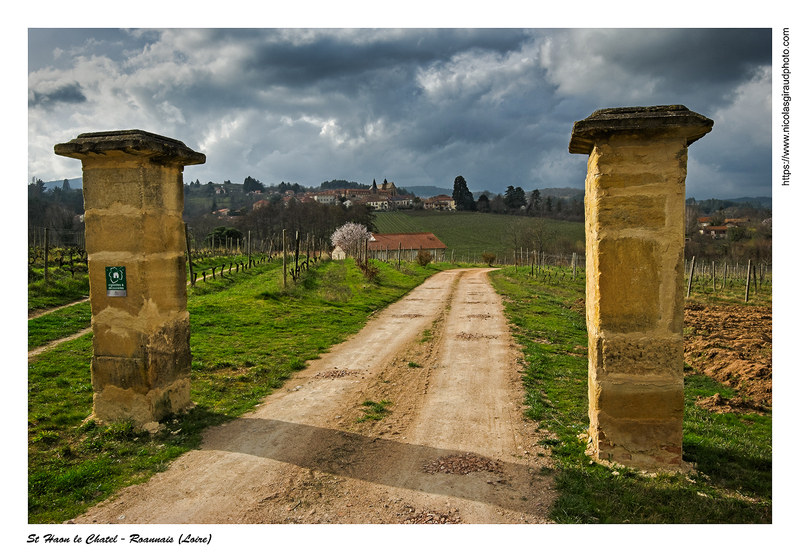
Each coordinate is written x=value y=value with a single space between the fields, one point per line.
x=55 y=208
x=516 y=201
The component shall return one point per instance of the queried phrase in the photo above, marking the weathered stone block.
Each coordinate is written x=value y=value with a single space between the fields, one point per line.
x=165 y=280
x=115 y=232
x=638 y=400
x=623 y=212
x=628 y=180
x=628 y=280
x=675 y=317
x=641 y=435
x=162 y=233
x=114 y=403
x=121 y=372
x=640 y=355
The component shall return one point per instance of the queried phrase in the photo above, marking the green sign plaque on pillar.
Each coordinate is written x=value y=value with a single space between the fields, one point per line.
x=116 y=284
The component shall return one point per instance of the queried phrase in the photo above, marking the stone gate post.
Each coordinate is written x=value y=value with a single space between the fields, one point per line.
x=635 y=195
x=135 y=241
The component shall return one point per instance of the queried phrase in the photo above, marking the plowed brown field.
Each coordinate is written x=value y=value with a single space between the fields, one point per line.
x=733 y=345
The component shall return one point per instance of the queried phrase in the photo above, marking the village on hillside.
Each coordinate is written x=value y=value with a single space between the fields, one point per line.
x=380 y=197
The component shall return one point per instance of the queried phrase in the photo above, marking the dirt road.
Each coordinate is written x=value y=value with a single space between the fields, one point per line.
x=445 y=360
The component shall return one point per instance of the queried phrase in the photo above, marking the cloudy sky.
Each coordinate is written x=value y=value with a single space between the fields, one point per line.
x=416 y=106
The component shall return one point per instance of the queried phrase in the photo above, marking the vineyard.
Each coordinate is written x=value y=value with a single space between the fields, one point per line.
x=469 y=234
x=739 y=281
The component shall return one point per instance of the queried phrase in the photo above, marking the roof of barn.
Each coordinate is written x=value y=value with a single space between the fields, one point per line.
x=416 y=240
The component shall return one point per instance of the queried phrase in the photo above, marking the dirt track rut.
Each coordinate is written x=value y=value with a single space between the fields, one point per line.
x=443 y=356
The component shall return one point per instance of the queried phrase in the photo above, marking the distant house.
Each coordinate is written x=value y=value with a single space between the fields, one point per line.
x=440 y=203
x=401 y=202
x=718 y=232
x=377 y=202
x=353 y=193
x=328 y=197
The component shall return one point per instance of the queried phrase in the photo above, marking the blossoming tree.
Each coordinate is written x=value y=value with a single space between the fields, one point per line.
x=350 y=237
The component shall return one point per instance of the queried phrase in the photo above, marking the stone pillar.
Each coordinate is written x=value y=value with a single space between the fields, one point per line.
x=133 y=197
x=635 y=196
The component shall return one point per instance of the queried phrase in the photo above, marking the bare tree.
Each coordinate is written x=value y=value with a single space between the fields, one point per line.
x=539 y=233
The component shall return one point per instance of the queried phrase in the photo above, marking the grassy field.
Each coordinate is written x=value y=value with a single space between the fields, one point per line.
x=60 y=289
x=471 y=233
x=62 y=323
x=732 y=452
x=248 y=335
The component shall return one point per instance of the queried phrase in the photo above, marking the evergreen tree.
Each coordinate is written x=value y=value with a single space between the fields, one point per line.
x=483 y=205
x=462 y=196
x=515 y=198
x=252 y=185
x=536 y=199
x=36 y=187
x=519 y=197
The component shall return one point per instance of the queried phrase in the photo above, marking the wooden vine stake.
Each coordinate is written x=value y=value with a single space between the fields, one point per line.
x=46 y=251
x=713 y=276
x=747 y=286
x=189 y=253
x=284 y=257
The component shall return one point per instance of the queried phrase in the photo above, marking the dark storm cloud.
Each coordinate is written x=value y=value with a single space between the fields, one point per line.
x=703 y=64
x=68 y=94
x=699 y=55
x=355 y=53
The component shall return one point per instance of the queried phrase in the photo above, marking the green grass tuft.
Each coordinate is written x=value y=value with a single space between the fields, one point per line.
x=375 y=410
